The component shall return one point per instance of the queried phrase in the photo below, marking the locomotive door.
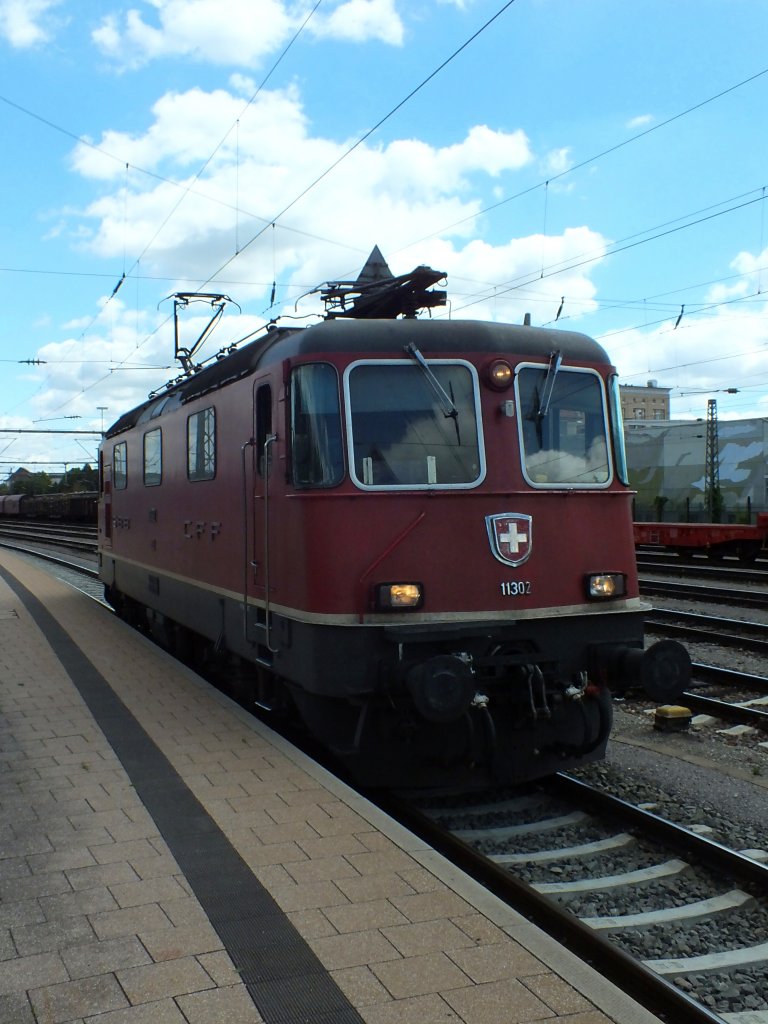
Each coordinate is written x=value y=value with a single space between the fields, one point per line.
x=105 y=504
x=261 y=479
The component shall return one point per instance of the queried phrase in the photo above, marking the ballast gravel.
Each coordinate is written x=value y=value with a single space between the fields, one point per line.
x=710 y=779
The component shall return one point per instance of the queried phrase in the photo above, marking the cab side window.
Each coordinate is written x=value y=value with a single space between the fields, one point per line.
x=120 y=466
x=316 y=440
x=153 y=458
x=201 y=445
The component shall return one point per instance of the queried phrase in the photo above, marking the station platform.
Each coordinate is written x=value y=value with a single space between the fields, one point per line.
x=167 y=858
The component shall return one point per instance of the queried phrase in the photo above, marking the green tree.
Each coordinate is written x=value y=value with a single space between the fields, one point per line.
x=35 y=483
x=84 y=479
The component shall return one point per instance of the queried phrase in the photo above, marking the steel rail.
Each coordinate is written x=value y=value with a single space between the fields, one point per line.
x=747 y=643
x=709 y=629
x=649 y=989
x=78 y=541
x=712 y=854
x=703 y=592
x=732 y=570
x=675 y=615
x=730 y=677
x=84 y=570
x=722 y=709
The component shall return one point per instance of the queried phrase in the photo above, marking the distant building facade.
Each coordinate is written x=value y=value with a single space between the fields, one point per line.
x=644 y=403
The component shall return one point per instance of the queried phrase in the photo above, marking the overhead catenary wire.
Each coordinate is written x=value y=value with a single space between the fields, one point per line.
x=361 y=139
x=592 y=159
x=328 y=170
x=654 y=128
x=574 y=263
x=268 y=222
x=187 y=189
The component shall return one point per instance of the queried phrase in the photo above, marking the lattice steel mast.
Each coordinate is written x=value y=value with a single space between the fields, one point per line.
x=712 y=500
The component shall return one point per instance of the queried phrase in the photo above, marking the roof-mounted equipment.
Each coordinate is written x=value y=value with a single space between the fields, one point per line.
x=378 y=295
x=180 y=301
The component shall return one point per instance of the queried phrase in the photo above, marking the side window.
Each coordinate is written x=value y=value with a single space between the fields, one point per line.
x=120 y=466
x=263 y=423
x=153 y=458
x=316 y=445
x=201 y=445
x=617 y=430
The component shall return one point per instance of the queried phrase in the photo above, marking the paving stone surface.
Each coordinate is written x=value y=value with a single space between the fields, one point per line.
x=98 y=923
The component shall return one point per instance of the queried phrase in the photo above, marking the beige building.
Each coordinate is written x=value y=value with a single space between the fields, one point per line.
x=644 y=403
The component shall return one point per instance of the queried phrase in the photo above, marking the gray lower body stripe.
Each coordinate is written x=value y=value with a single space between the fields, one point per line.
x=283 y=975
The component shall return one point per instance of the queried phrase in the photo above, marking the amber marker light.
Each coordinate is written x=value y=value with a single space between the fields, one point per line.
x=392 y=597
x=499 y=374
x=605 y=585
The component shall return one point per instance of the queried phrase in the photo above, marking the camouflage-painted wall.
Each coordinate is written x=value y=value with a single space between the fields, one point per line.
x=666 y=460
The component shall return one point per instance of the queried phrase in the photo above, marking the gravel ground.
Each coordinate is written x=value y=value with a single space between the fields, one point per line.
x=706 y=775
x=699 y=777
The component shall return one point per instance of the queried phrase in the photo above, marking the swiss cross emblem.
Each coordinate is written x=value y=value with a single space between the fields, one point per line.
x=511 y=537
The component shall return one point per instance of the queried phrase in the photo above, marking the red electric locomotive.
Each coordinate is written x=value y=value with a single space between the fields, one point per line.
x=417 y=533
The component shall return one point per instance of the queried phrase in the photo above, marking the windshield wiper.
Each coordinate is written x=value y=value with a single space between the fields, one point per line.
x=555 y=361
x=446 y=402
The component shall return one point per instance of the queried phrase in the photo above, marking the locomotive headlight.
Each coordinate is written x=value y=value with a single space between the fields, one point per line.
x=499 y=374
x=391 y=597
x=605 y=585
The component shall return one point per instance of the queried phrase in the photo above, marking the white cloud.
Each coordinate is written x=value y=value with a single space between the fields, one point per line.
x=360 y=20
x=503 y=282
x=558 y=161
x=238 y=33
x=754 y=267
x=234 y=32
x=405 y=187
x=640 y=122
x=693 y=359
x=25 y=23
x=188 y=127
x=116 y=360
x=386 y=194
x=752 y=271
x=414 y=166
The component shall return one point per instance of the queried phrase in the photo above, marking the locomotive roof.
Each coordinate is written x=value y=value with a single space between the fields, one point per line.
x=370 y=337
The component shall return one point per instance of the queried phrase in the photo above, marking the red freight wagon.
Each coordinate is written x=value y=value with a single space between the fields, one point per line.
x=741 y=540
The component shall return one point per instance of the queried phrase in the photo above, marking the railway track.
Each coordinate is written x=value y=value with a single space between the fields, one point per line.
x=750 y=707
x=616 y=883
x=702 y=568
x=704 y=592
x=68 y=536
x=749 y=636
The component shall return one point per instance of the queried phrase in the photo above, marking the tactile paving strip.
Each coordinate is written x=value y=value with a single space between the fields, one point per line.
x=284 y=977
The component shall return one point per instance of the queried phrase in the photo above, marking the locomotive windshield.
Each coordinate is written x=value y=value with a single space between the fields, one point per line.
x=404 y=432
x=563 y=426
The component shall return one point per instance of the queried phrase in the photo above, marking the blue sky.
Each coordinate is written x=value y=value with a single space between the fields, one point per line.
x=610 y=156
